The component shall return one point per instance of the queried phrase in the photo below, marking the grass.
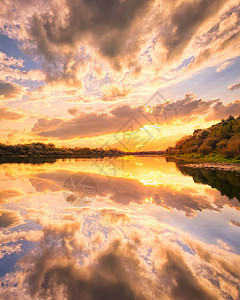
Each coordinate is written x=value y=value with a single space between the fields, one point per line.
x=200 y=158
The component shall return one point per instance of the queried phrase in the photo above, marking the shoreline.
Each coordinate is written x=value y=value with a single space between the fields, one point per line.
x=204 y=159
x=227 y=166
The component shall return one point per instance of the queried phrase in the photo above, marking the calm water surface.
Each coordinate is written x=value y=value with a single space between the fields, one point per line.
x=126 y=228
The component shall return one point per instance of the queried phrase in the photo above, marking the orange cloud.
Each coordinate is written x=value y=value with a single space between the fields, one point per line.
x=9 y=91
x=7 y=114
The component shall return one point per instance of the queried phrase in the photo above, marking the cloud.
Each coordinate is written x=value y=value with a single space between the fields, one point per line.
x=122 y=119
x=9 y=91
x=129 y=264
x=7 y=114
x=114 y=93
x=141 y=259
x=43 y=124
x=73 y=111
x=6 y=194
x=125 y=191
x=9 y=218
x=97 y=25
x=234 y=86
x=10 y=61
x=55 y=91
x=224 y=66
x=116 y=271
x=220 y=111
x=220 y=42
x=235 y=223
x=80 y=41
x=86 y=45
x=184 y=21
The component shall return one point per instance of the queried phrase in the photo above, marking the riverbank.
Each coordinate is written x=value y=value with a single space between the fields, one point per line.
x=216 y=162
x=211 y=158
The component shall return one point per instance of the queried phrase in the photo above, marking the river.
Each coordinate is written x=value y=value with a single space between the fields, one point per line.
x=121 y=228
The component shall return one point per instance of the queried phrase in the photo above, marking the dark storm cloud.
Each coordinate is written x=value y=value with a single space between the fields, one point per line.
x=92 y=124
x=9 y=90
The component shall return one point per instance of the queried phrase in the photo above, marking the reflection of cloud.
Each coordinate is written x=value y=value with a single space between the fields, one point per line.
x=9 y=242
x=111 y=217
x=9 y=218
x=6 y=194
x=128 y=263
x=125 y=191
x=109 y=277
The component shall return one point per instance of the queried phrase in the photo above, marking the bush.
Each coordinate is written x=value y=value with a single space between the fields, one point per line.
x=222 y=147
x=233 y=146
x=205 y=150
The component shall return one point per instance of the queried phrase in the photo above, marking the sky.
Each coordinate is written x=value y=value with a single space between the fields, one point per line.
x=131 y=74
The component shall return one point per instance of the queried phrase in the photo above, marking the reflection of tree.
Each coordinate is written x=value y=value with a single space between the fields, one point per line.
x=227 y=183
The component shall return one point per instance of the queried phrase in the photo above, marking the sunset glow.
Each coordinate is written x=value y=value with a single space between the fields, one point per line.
x=79 y=83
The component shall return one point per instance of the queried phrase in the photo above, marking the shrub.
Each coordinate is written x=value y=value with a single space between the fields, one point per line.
x=205 y=150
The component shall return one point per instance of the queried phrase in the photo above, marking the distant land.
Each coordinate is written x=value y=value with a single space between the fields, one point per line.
x=40 y=152
x=50 y=150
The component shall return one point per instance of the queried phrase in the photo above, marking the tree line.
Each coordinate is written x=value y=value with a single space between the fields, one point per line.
x=41 y=149
x=222 y=138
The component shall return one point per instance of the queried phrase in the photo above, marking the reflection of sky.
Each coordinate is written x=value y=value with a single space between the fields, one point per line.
x=149 y=206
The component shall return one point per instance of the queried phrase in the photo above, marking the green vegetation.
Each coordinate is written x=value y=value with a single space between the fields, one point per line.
x=201 y=158
x=50 y=150
x=221 y=142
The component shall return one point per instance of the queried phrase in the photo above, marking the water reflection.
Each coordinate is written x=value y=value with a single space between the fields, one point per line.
x=228 y=183
x=150 y=232
x=124 y=191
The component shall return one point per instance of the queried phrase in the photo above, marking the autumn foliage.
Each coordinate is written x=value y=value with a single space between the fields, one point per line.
x=222 y=138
